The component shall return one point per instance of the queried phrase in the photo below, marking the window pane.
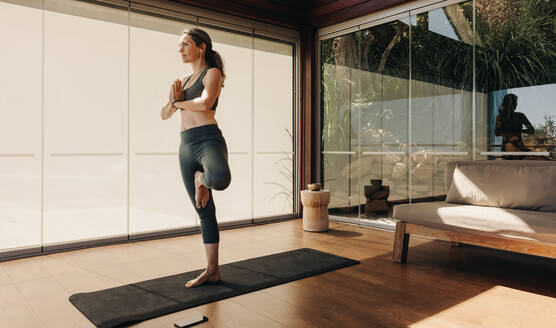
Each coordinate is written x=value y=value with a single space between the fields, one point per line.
x=517 y=85
x=273 y=104
x=384 y=118
x=154 y=143
x=20 y=123
x=441 y=90
x=86 y=80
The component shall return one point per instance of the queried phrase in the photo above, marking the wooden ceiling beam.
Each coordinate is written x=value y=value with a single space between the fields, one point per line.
x=331 y=7
x=336 y=13
x=264 y=11
x=296 y=14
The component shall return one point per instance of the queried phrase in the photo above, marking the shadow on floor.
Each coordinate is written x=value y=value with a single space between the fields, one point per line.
x=343 y=233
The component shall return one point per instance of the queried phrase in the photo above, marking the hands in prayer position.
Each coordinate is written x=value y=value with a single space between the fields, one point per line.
x=176 y=93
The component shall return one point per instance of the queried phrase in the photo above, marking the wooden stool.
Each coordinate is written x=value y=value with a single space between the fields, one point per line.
x=315 y=210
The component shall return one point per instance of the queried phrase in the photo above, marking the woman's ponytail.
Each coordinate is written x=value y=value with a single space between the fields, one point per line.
x=213 y=59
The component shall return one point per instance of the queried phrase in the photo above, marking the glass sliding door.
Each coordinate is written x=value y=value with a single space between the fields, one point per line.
x=480 y=81
x=340 y=123
x=383 y=105
x=411 y=103
x=441 y=95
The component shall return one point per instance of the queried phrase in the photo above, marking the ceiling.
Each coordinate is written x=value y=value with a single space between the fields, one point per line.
x=297 y=14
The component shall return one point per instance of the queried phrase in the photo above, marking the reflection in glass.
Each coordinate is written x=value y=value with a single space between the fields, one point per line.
x=383 y=110
x=374 y=134
x=516 y=54
x=339 y=81
x=509 y=125
x=455 y=111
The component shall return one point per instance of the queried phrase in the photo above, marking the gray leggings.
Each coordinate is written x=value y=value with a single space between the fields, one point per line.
x=204 y=149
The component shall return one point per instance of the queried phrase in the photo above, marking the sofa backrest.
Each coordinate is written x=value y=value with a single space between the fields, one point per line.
x=507 y=184
x=451 y=166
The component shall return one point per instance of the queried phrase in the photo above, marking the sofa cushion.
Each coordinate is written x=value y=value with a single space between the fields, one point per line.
x=450 y=167
x=482 y=220
x=519 y=187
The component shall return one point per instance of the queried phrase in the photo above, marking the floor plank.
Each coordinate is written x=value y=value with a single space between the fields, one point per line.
x=15 y=311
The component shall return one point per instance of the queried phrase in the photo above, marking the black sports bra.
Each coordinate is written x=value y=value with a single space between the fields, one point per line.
x=196 y=89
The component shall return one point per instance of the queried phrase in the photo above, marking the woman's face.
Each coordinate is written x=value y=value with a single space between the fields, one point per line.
x=188 y=49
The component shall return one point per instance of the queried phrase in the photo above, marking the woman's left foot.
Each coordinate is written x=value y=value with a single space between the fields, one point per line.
x=206 y=276
x=201 y=191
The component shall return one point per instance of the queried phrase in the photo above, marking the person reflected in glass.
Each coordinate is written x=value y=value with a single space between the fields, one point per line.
x=203 y=154
x=509 y=125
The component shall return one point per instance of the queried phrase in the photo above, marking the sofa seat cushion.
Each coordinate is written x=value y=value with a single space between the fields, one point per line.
x=515 y=187
x=491 y=221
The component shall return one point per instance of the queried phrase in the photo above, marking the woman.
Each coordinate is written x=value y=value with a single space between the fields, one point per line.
x=509 y=125
x=203 y=154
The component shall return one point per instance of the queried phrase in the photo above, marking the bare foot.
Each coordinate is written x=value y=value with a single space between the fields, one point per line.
x=201 y=191
x=213 y=276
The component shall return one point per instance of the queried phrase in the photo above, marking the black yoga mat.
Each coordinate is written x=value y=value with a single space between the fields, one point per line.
x=152 y=298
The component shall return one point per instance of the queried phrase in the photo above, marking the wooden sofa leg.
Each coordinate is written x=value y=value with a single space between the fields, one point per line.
x=401 y=243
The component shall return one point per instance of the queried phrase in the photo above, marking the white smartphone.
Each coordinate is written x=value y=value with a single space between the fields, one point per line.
x=190 y=321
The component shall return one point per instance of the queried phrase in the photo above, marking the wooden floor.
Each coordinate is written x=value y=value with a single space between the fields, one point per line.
x=441 y=286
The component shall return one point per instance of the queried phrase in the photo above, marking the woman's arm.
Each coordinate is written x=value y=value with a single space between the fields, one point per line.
x=213 y=83
x=167 y=111
x=530 y=129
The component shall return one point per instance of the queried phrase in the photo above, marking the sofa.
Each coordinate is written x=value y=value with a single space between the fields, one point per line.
x=503 y=204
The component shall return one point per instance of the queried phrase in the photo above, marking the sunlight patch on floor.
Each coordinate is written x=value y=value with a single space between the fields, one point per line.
x=497 y=307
